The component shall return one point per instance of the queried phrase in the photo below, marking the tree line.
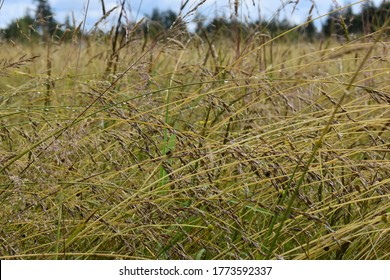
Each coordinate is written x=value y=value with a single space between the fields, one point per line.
x=344 y=22
x=41 y=25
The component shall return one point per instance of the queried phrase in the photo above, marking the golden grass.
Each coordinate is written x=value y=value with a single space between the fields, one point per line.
x=182 y=153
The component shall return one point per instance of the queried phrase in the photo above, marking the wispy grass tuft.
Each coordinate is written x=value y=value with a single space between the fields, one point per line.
x=196 y=147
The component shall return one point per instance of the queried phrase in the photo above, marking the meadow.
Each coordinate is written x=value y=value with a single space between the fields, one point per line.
x=188 y=148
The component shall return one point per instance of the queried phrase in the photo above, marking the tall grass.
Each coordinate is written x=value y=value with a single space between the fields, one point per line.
x=197 y=149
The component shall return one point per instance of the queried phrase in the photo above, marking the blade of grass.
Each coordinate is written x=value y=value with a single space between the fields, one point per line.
x=318 y=144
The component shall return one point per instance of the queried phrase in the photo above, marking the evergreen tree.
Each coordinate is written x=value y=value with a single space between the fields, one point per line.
x=353 y=22
x=45 y=18
x=21 y=29
x=219 y=24
x=331 y=25
x=384 y=11
x=199 y=21
x=368 y=20
x=160 y=22
x=309 y=31
x=368 y=15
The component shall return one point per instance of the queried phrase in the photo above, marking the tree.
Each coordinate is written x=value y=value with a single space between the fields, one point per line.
x=219 y=25
x=354 y=23
x=21 y=29
x=331 y=25
x=368 y=15
x=45 y=18
x=199 y=21
x=309 y=30
x=370 y=18
x=28 y=27
x=165 y=19
x=160 y=22
x=383 y=13
x=168 y=18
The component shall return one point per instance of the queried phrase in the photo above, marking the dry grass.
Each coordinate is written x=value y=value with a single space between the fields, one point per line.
x=189 y=151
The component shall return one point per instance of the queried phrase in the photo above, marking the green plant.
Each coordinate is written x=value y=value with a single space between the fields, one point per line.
x=208 y=150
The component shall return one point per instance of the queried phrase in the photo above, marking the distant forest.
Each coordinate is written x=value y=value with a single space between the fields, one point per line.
x=344 y=23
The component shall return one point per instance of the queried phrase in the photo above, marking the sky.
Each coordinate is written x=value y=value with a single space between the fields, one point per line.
x=250 y=9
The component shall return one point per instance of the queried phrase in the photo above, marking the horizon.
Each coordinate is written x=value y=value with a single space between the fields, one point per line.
x=250 y=10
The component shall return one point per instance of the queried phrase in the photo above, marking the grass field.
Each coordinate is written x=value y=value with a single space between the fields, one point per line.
x=187 y=149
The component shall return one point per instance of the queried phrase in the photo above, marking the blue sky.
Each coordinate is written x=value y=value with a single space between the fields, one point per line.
x=12 y=9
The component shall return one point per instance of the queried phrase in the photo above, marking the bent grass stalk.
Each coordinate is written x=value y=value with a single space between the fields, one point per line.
x=204 y=158
x=317 y=145
x=169 y=140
